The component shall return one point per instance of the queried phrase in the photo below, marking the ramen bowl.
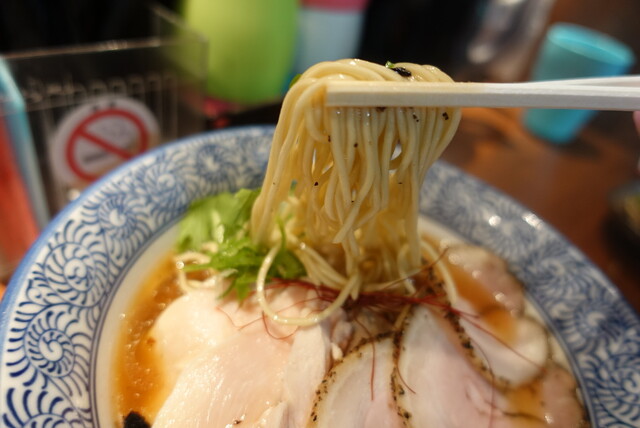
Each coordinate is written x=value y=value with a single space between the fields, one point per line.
x=62 y=310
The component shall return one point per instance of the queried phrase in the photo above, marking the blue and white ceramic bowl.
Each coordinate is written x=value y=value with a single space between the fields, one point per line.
x=59 y=315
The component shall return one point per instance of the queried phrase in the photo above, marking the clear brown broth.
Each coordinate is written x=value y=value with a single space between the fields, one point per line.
x=138 y=379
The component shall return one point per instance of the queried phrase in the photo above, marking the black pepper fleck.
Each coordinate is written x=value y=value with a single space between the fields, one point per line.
x=445 y=115
x=402 y=71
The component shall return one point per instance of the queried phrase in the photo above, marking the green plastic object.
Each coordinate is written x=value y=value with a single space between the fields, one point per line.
x=251 y=46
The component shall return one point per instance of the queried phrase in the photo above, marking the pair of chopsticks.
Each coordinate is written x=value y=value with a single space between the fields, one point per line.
x=606 y=93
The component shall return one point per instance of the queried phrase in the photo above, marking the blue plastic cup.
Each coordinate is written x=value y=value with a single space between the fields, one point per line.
x=571 y=51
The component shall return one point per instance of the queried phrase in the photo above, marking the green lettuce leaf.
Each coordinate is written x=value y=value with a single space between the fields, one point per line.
x=216 y=218
x=223 y=219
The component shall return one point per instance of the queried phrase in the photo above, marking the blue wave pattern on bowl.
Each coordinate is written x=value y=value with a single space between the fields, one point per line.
x=59 y=296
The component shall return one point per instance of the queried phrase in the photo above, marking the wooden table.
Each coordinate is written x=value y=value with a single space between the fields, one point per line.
x=567 y=186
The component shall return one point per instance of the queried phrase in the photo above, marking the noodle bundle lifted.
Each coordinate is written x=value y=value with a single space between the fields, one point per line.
x=352 y=218
x=323 y=299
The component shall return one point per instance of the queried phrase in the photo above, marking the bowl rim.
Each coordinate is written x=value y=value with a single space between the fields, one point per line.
x=13 y=288
x=18 y=280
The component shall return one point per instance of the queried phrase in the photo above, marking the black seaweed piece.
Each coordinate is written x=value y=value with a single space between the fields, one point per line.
x=135 y=420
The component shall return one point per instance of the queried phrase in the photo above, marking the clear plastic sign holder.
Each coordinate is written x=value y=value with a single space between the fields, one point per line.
x=74 y=113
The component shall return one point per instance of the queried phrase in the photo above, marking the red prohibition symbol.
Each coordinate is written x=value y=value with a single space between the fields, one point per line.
x=82 y=134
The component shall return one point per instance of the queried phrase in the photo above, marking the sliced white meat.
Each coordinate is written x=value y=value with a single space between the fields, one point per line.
x=341 y=334
x=489 y=272
x=235 y=382
x=189 y=325
x=307 y=364
x=199 y=320
x=443 y=389
x=194 y=341
x=514 y=357
x=357 y=391
x=562 y=408
x=366 y=324
x=289 y=302
x=513 y=347
x=274 y=417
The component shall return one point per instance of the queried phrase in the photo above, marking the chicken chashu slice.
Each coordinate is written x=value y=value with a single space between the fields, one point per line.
x=437 y=385
x=507 y=344
x=225 y=365
x=514 y=346
x=356 y=393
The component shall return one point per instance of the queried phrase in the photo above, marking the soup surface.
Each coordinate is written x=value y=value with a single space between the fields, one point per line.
x=139 y=381
x=141 y=384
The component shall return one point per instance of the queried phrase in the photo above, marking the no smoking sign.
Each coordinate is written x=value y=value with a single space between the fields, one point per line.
x=99 y=136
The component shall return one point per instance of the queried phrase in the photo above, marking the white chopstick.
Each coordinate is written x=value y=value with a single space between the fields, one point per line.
x=589 y=94
x=627 y=81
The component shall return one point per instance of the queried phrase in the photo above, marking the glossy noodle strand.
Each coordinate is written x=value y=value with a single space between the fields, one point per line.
x=356 y=173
